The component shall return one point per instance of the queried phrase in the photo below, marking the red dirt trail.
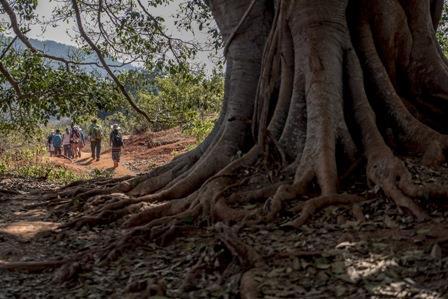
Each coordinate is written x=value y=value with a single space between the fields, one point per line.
x=141 y=153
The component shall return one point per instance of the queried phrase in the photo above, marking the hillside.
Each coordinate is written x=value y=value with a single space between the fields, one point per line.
x=70 y=52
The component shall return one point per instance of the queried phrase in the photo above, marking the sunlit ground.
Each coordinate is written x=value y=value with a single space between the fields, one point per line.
x=28 y=229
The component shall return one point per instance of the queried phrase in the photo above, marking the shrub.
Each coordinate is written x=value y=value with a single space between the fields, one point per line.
x=27 y=162
x=187 y=98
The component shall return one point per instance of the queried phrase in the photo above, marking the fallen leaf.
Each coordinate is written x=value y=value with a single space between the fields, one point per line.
x=322 y=264
x=338 y=267
x=390 y=222
x=340 y=290
x=436 y=252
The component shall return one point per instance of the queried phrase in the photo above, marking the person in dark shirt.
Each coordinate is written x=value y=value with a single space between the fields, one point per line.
x=50 y=143
x=116 y=142
x=57 y=143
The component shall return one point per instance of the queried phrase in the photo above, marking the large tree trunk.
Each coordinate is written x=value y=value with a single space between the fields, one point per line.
x=311 y=87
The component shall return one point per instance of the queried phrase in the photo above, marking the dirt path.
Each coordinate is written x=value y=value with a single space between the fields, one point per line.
x=87 y=165
x=141 y=153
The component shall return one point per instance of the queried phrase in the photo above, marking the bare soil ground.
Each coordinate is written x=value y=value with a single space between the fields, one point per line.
x=140 y=154
x=389 y=255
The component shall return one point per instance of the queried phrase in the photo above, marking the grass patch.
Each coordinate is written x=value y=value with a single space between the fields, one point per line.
x=28 y=163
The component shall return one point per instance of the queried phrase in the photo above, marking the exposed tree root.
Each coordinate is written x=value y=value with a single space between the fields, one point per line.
x=309 y=207
x=383 y=169
x=392 y=176
x=314 y=110
x=248 y=286
x=162 y=210
x=302 y=129
x=319 y=93
x=8 y=192
x=415 y=135
x=190 y=279
x=31 y=267
x=146 y=289
x=358 y=213
x=247 y=256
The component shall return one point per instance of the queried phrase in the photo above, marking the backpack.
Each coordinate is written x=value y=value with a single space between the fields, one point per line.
x=57 y=140
x=75 y=136
x=95 y=132
x=117 y=140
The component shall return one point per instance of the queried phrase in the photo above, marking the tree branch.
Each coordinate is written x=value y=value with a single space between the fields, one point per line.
x=105 y=34
x=103 y=62
x=11 y=80
x=8 y=47
x=159 y=28
x=24 y=39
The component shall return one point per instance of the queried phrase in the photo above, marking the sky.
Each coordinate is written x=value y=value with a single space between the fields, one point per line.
x=64 y=32
x=59 y=33
x=45 y=7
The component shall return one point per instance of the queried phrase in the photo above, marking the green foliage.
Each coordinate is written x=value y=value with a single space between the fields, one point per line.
x=442 y=32
x=22 y=156
x=26 y=162
x=3 y=167
x=195 y=15
x=25 y=9
x=124 y=31
x=49 y=92
x=101 y=173
x=200 y=128
x=187 y=98
x=129 y=29
x=52 y=173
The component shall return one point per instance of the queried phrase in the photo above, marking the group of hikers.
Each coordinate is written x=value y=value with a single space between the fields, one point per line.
x=70 y=143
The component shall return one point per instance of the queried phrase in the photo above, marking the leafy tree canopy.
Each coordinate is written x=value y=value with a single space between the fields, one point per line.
x=33 y=90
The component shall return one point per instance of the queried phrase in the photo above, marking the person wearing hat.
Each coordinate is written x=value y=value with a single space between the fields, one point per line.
x=116 y=142
x=75 y=140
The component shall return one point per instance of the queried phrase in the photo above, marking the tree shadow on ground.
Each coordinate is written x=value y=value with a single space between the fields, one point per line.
x=85 y=161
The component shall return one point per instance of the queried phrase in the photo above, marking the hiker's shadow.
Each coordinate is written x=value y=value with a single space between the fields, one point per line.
x=85 y=161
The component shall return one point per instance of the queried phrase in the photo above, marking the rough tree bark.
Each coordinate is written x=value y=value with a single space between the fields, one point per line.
x=311 y=86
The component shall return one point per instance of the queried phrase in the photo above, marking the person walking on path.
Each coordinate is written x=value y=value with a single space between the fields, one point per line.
x=83 y=139
x=50 y=143
x=95 y=133
x=66 y=144
x=57 y=143
x=75 y=140
x=116 y=142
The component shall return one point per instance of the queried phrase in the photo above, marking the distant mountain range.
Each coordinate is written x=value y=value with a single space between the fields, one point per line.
x=72 y=53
